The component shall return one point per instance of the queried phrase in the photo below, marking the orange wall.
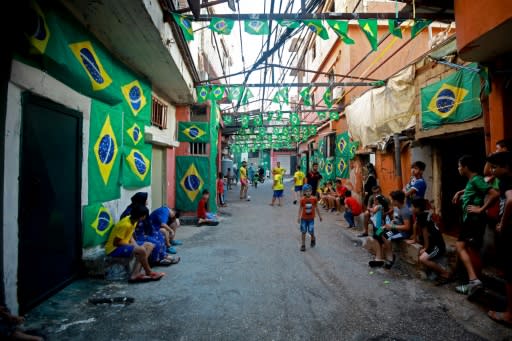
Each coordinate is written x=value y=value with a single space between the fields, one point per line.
x=475 y=18
x=182 y=115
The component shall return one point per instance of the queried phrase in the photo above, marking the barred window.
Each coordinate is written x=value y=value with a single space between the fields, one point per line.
x=158 y=114
x=197 y=148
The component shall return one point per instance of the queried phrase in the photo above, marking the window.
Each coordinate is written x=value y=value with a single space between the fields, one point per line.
x=331 y=145
x=198 y=113
x=158 y=114
x=197 y=148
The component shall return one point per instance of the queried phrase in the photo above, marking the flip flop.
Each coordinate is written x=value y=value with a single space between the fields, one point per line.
x=498 y=316
x=375 y=263
x=156 y=276
x=140 y=279
x=388 y=264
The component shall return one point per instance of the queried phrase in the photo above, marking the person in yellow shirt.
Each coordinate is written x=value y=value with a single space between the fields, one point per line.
x=299 y=178
x=278 y=187
x=244 y=182
x=279 y=169
x=121 y=243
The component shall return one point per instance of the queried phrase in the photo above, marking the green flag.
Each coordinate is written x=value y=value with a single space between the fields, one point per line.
x=329 y=168
x=306 y=97
x=342 y=169
x=277 y=98
x=289 y=23
x=312 y=130
x=353 y=149
x=334 y=115
x=321 y=115
x=317 y=27
x=294 y=119
x=235 y=93
x=454 y=99
x=269 y=116
x=202 y=94
x=341 y=29
x=258 y=121
x=221 y=25
x=98 y=222
x=193 y=132
x=247 y=96
x=217 y=92
x=228 y=119
x=370 y=29
x=394 y=27
x=419 y=25
x=256 y=27
x=191 y=178
x=283 y=92
x=136 y=170
x=279 y=115
x=342 y=144
x=185 y=25
x=328 y=98
x=245 y=121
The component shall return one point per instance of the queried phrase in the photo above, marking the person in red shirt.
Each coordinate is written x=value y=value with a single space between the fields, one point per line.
x=220 y=191
x=341 y=189
x=306 y=219
x=203 y=216
x=353 y=208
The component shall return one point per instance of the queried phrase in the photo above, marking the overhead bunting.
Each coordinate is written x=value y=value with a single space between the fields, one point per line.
x=322 y=115
x=185 y=25
x=334 y=115
x=370 y=29
x=341 y=29
x=328 y=98
x=294 y=119
x=305 y=95
x=235 y=93
x=245 y=121
x=217 y=92
x=221 y=25
x=317 y=27
x=256 y=27
x=202 y=94
x=289 y=23
x=228 y=119
x=419 y=25
x=394 y=27
x=246 y=96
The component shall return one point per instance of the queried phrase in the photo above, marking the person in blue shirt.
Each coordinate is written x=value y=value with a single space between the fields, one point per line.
x=415 y=189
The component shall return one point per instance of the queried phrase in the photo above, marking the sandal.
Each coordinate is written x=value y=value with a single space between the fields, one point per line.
x=141 y=278
x=388 y=264
x=499 y=316
x=155 y=276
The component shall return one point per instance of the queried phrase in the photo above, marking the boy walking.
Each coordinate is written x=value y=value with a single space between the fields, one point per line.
x=278 y=187
x=306 y=219
x=313 y=178
x=244 y=182
x=298 y=177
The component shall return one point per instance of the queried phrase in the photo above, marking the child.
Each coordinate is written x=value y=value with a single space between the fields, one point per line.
x=9 y=329
x=121 y=243
x=229 y=176
x=203 y=216
x=328 y=197
x=416 y=188
x=299 y=177
x=341 y=190
x=379 y=208
x=220 y=191
x=306 y=219
x=165 y=220
x=433 y=244
x=278 y=186
x=353 y=208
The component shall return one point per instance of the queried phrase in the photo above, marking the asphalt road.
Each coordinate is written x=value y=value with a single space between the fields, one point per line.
x=246 y=279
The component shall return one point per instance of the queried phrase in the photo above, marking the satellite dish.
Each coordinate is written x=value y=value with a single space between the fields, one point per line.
x=231 y=4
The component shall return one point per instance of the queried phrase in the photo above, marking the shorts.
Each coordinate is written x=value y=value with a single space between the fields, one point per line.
x=473 y=229
x=298 y=188
x=122 y=251
x=307 y=225
x=390 y=235
x=342 y=200
x=278 y=193
x=435 y=252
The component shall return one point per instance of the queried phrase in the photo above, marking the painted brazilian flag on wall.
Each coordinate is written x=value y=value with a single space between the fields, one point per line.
x=98 y=222
x=454 y=99
x=193 y=132
x=105 y=138
x=136 y=171
x=191 y=177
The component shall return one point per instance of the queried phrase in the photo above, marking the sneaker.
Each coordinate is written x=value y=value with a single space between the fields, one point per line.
x=176 y=242
x=303 y=248
x=469 y=288
x=313 y=243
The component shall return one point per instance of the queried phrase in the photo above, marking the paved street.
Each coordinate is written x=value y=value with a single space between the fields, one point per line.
x=247 y=280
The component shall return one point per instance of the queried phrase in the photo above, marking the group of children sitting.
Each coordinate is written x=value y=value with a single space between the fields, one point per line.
x=150 y=238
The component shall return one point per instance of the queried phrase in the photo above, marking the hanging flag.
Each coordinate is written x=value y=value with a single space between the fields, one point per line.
x=185 y=25
x=312 y=130
x=246 y=96
x=269 y=116
x=235 y=93
x=193 y=132
x=370 y=29
x=221 y=26
x=289 y=23
x=329 y=168
x=328 y=98
x=228 y=119
x=294 y=119
x=353 y=149
x=40 y=35
x=283 y=92
x=394 y=27
x=317 y=27
x=296 y=131
x=454 y=99
x=192 y=175
x=279 y=115
x=419 y=25
x=342 y=144
x=245 y=121
x=277 y=98
x=134 y=133
x=342 y=170
x=341 y=29
x=136 y=166
x=134 y=96
x=334 y=115
x=258 y=121
x=321 y=115
x=202 y=94
x=217 y=92
x=306 y=97
x=97 y=224
x=87 y=57
x=256 y=27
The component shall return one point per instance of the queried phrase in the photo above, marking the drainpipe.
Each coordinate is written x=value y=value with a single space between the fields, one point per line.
x=398 y=161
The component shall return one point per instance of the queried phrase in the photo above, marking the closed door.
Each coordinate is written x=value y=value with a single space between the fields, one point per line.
x=158 y=178
x=49 y=208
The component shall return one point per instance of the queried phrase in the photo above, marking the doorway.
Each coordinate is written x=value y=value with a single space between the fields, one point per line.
x=158 y=178
x=50 y=196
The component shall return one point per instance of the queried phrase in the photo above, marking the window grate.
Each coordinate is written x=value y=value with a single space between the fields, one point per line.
x=158 y=114
x=197 y=148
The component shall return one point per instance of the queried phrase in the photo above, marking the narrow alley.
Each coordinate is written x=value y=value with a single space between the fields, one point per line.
x=246 y=279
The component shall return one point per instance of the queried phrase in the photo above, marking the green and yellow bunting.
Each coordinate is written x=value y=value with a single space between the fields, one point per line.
x=283 y=92
x=394 y=27
x=228 y=119
x=419 y=25
x=279 y=115
x=246 y=97
x=235 y=93
x=305 y=95
x=294 y=119
x=321 y=115
x=185 y=25
x=217 y=92
x=317 y=27
x=245 y=121
x=341 y=29
x=193 y=132
x=370 y=29
x=328 y=98
x=292 y=24
x=269 y=116
x=334 y=115
x=221 y=25
x=256 y=27
x=202 y=94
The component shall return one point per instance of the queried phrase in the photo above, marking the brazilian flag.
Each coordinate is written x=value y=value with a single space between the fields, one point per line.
x=294 y=119
x=193 y=132
x=305 y=95
x=454 y=99
x=136 y=171
x=321 y=115
x=341 y=29
x=221 y=25
x=394 y=27
x=328 y=98
x=235 y=93
x=133 y=131
x=202 y=94
x=228 y=119
x=370 y=29
x=292 y=24
x=317 y=27
x=217 y=92
x=192 y=177
x=98 y=222
x=185 y=25
x=105 y=138
x=256 y=27
x=245 y=121
x=342 y=144
x=329 y=170
x=334 y=115
x=134 y=96
x=419 y=25
x=40 y=34
x=342 y=169
x=258 y=120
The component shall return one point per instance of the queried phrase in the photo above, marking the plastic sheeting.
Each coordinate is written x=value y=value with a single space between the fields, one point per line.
x=383 y=111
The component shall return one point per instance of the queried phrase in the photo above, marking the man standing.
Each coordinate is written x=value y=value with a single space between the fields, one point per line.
x=313 y=178
x=244 y=183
